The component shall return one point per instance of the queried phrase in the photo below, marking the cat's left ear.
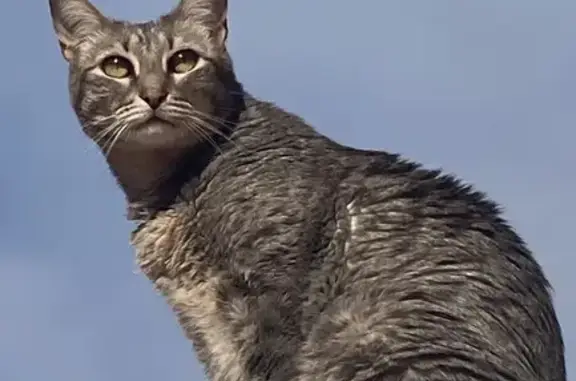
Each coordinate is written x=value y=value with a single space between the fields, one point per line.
x=212 y=14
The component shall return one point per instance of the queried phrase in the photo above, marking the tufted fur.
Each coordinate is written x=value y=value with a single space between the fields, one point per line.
x=287 y=256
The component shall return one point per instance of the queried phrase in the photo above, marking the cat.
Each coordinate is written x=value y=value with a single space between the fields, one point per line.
x=287 y=256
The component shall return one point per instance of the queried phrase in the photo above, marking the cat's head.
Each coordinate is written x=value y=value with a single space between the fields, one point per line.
x=161 y=84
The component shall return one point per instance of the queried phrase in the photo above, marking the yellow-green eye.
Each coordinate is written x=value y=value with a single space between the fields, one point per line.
x=117 y=67
x=183 y=61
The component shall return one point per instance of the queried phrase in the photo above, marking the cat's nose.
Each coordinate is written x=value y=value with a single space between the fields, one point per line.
x=154 y=101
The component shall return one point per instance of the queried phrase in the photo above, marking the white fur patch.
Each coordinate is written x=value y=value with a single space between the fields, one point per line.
x=160 y=247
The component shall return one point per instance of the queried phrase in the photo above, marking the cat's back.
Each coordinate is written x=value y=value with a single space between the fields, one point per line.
x=427 y=279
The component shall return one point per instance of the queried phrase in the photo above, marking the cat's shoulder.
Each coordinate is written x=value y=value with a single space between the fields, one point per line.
x=381 y=179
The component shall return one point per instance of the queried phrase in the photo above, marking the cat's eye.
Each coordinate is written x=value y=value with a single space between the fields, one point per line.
x=117 y=67
x=183 y=61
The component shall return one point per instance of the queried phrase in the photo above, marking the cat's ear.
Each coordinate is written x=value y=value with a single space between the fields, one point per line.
x=212 y=14
x=73 y=20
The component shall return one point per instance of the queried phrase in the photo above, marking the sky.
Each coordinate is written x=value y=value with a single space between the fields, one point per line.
x=485 y=89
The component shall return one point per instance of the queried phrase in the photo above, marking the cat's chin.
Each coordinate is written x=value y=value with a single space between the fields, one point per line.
x=158 y=133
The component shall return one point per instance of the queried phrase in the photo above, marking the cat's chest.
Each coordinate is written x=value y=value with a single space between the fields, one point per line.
x=175 y=258
x=160 y=245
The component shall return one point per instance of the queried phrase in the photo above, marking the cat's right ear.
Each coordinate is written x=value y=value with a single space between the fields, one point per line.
x=73 y=20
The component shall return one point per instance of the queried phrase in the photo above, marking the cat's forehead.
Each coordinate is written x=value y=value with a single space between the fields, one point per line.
x=149 y=39
x=145 y=39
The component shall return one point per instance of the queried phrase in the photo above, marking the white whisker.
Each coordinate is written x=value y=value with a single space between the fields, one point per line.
x=121 y=130
x=202 y=127
x=107 y=130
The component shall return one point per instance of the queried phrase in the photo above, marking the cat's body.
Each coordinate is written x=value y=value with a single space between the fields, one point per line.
x=289 y=257
x=299 y=257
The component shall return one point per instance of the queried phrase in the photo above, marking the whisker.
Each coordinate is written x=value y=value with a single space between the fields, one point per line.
x=197 y=126
x=124 y=109
x=185 y=106
x=98 y=120
x=121 y=130
x=110 y=137
x=192 y=125
x=186 y=115
x=189 y=111
x=123 y=116
x=211 y=128
x=221 y=122
x=203 y=135
x=102 y=134
x=124 y=120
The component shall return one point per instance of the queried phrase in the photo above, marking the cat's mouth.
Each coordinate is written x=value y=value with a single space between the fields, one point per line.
x=154 y=125
x=156 y=132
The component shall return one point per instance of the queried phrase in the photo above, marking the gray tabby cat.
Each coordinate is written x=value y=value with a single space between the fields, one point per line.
x=285 y=255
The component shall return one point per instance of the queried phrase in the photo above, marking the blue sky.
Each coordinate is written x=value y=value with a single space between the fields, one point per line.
x=482 y=88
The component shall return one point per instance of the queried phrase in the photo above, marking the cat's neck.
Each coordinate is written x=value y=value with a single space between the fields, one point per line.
x=151 y=179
